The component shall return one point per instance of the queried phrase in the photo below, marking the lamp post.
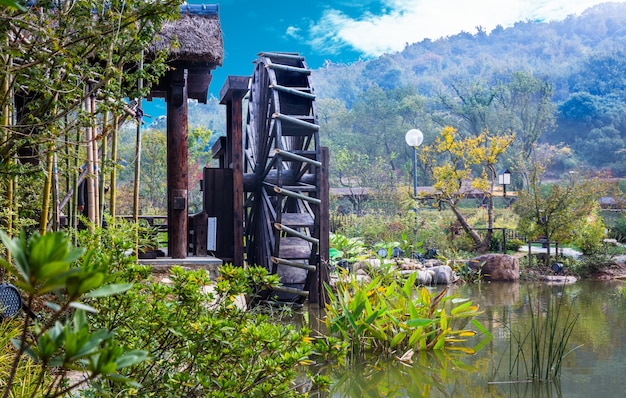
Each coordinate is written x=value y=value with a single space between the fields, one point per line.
x=414 y=138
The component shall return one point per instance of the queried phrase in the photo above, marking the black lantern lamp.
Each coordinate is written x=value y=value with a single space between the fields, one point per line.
x=504 y=179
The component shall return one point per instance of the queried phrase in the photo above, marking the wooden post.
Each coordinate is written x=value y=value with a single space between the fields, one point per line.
x=324 y=216
x=232 y=94
x=177 y=163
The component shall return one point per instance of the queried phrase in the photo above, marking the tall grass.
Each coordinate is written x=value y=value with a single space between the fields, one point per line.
x=540 y=350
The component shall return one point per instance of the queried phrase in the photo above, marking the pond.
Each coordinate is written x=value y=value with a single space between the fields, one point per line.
x=596 y=365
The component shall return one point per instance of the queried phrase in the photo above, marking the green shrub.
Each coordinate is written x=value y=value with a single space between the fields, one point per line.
x=47 y=270
x=618 y=230
x=590 y=235
x=381 y=318
x=511 y=244
x=200 y=342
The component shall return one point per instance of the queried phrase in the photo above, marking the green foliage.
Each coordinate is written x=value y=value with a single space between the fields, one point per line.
x=590 y=234
x=558 y=210
x=200 y=340
x=349 y=249
x=618 y=230
x=380 y=318
x=202 y=343
x=47 y=268
x=511 y=244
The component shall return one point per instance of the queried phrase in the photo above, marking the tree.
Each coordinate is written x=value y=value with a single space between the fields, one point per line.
x=527 y=103
x=560 y=210
x=382 y=118
x=454 y=163
x=521 y=104
x=59 y=60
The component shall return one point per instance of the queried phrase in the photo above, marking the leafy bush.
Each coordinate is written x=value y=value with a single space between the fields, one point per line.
x=511 y=244
x=382 y=318
x=46 y=269
x=199 y=340
x=618 y=230
x=590 y=234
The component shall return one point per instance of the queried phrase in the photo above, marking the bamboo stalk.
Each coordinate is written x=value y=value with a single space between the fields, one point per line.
x=103 y=162
x=293 y=232
x=45 y=205
x=96 y=162
x=297 y=195
x=294 y=156
x=91 y=211
x=294 y=120
x=308 y=267
x=113 y=178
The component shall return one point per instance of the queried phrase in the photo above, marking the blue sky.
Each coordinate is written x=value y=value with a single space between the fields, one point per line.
x=344 y=31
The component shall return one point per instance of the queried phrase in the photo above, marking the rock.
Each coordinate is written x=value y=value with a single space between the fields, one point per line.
x=409 y=264
x=432 y=263
x=557 y=279
x=496 y=267
x=443 y=275
x=424 y=277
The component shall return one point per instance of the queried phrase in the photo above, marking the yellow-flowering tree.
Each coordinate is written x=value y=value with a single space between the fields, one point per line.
x=457 y=164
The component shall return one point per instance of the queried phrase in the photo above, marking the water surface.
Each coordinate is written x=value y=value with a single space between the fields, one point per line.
x=596 y=366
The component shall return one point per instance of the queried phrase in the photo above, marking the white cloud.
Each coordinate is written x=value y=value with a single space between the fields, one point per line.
x=410 y=21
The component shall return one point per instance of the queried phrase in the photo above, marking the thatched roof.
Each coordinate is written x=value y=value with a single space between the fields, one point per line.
x=194 y=39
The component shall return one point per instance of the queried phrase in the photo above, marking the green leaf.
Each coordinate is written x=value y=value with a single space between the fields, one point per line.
x=110 y=290
x=131 y=358
x=480 y=327
x=82 y=306
x=397 y=339
x=13 y=4
x=419 y=322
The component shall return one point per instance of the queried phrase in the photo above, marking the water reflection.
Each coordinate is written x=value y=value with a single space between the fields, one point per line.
x=595 y=367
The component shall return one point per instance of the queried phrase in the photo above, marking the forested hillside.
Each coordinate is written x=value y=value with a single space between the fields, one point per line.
x=560 y=83
x=559 y=86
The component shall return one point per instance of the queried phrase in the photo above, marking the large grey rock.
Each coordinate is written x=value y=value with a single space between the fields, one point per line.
x=496 y=267
x=443 y=275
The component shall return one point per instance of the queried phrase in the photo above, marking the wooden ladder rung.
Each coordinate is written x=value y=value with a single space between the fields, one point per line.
x=297 y=219
x=294 y=249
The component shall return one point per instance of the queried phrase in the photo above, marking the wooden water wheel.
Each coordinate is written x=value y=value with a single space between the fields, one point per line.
x=282 y=173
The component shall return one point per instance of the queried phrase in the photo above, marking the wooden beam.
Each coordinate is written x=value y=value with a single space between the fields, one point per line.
x=177 y=163
x=231 y=94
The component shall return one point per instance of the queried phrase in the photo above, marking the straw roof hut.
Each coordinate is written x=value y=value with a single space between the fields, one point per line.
x=195 y=43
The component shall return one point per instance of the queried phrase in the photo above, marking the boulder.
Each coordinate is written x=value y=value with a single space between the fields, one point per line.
x=443 y=275
x=496 y=267
x=433 y=262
